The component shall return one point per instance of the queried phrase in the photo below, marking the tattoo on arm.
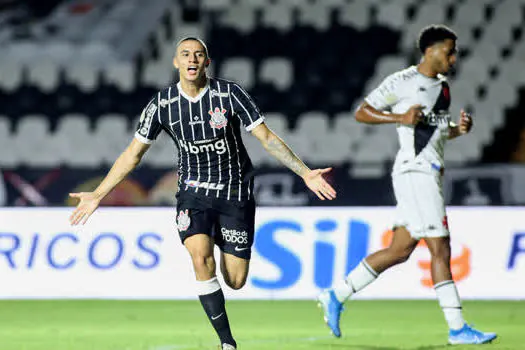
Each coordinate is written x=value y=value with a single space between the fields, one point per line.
x=277 y=148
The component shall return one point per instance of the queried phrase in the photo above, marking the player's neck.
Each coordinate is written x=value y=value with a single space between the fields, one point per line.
x=426 y=69
x=193 y=88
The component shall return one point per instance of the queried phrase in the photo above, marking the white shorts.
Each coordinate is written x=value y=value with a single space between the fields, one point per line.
x=420 y=204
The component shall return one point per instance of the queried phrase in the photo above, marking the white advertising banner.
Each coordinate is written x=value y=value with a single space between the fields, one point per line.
x=136 y=253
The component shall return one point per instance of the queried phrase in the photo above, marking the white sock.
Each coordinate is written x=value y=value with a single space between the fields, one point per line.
x=448 y=297
x=357 y=279
x=207 y=287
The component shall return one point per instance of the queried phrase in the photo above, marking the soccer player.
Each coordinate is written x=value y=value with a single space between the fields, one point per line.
x=417 y=100
x=215 y=205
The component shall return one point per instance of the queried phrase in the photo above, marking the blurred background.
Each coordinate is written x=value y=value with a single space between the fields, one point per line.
x=75 y=74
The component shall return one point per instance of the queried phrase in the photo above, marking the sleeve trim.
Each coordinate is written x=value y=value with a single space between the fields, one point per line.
x=255 y=123
x=143 y=139
x=367 y=100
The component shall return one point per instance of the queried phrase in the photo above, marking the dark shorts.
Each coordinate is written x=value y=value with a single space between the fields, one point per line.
x=230 y=223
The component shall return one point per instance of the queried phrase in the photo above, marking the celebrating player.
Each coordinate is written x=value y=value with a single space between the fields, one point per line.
x=417 y=100
x=215 y=205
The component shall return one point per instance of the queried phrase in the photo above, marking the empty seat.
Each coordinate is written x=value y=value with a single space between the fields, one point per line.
x=44 y=75
x=474 y=69
x=113 y=131
x=33 y=142
x=22 y=51
x=277 y=71
x=356 y=14
x=315 y=15
x=501 y=93
x=497 y=34
x=121 y=74
x=491 y=53
x=157 y=75
x=9 y=156
x=379 y=146
x=214 y=5
x=470 y=13
x=238 y=69
x=59 y=52
x=11 y=72
x=293 y=3
x=333 y=3
x=392 y=14
x=277 y=16
x=97 y=52
x=430 y=12
x=278 y=123
x=257 y=4
x=464 y=91
x=240 y=17
x=83 y=74
x=512 y=71
x=508 y=13
x=75 y=137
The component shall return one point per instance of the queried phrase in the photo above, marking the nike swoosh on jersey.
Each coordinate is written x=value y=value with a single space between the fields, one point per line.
x=238 y=249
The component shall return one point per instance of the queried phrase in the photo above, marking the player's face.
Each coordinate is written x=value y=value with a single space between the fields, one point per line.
x=443 y=55
x=191 y=60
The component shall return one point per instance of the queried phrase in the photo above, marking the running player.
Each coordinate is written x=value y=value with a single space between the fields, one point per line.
x=417 y=100
x=215 y=205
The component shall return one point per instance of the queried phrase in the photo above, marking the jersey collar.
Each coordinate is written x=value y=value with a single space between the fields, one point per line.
x=196 y=98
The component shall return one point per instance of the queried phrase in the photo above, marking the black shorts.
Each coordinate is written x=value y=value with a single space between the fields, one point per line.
x=230 y=223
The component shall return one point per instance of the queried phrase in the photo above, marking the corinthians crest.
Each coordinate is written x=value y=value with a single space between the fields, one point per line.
x=218 y=119
x=183 y=220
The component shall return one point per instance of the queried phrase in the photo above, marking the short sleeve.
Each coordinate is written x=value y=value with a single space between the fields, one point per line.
x=245 y=108
x=149 y=126
x=385 y=96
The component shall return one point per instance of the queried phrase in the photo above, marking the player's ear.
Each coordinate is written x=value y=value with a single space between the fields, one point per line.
x=175 y=63
x=208 y=61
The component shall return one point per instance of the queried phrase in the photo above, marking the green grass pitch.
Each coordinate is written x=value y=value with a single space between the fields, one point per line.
x=265 y=325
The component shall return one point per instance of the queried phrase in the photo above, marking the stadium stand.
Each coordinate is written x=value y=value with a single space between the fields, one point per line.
x=307 y=64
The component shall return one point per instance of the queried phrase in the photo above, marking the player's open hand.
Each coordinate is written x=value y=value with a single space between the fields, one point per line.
x=89 y=202
x=315 y=181
x=465 y=122
x=413 y=115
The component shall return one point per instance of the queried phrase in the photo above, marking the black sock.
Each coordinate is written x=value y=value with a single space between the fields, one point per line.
x=214 y=305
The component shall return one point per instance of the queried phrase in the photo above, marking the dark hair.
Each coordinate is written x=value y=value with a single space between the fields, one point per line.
x=193 y=38
x=433 y=34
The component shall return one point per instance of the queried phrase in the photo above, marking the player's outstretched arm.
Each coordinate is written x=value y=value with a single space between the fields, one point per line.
x=464 y=126
x=369 y=115
x=125 y=163
x=277 y=148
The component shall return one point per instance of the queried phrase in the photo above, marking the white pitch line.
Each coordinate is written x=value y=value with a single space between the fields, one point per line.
x=257 y=341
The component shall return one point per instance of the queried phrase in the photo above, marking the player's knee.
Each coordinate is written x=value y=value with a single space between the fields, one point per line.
x=440 y=252
x=402 y=257
x=399 y=256
x=203 y=262
x=236 y=282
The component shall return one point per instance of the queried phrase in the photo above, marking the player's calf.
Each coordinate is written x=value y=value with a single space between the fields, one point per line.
x=212 y=300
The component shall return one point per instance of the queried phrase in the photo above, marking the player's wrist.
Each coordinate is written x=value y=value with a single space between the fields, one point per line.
x=305 y=172
x=398 y=118
x=98 y=195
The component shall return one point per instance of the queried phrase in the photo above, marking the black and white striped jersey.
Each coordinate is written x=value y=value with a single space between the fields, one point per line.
x=213 y=161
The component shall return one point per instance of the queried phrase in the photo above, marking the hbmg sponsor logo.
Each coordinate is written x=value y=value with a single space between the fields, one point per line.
x=218 y=146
